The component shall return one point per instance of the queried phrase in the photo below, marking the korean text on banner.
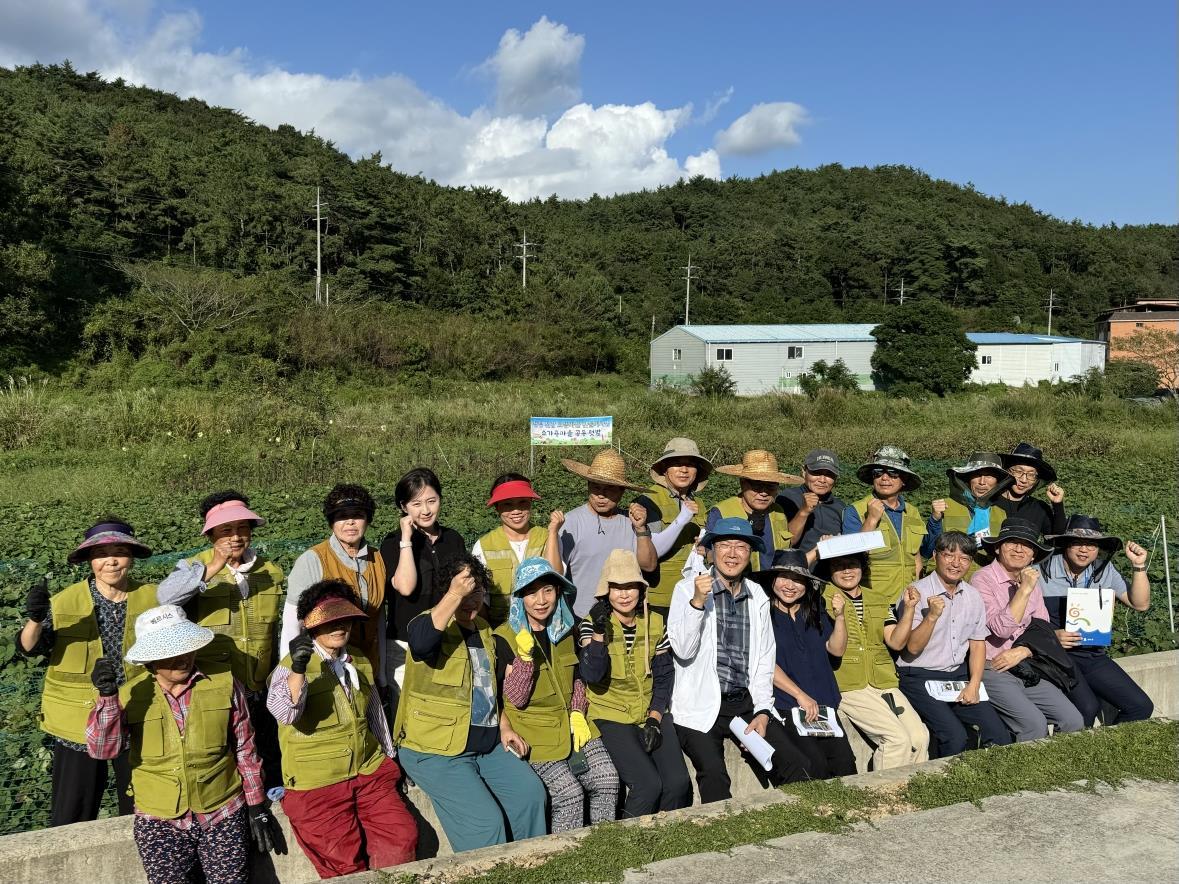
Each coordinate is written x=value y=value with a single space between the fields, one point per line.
x=571 y=430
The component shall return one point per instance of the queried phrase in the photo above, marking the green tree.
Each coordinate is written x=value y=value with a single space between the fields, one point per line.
x=921 y=344
x=1130 y=378
x=714 y=383
x=836 y=376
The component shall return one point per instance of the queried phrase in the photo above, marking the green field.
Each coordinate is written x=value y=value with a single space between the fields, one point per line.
x=69 y=454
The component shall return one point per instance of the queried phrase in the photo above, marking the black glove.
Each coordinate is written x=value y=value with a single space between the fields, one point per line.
x=265 y=830
x=651 y=734
x=599 y=615
x=37 y=602
x=105 y=677
x=301 y=647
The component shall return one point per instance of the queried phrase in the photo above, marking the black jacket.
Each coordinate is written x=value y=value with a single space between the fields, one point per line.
x=1049 y=660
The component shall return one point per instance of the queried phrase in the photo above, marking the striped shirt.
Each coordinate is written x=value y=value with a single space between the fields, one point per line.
x=732 y=636
x=585 y=632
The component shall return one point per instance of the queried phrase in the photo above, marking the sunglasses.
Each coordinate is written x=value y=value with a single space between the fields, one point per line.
x=882 y=471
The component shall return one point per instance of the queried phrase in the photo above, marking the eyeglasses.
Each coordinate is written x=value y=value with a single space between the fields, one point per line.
x=729 y=545
x=1026 y=474
x=954 y=556
x=883 y=471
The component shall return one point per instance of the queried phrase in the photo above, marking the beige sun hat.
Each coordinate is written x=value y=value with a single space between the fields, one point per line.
x=759 y=466
x=676 y=448
x=621 y=567
x=607 y=468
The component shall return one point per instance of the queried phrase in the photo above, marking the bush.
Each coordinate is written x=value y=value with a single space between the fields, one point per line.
x=1131 y=378
x=714 y=383
x=921 y=344
x=822 y=376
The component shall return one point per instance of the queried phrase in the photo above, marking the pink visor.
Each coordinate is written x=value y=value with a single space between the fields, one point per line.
x=510 y=490
x=230 y=511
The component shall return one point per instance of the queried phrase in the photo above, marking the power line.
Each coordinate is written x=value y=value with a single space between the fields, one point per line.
x=524 y=256
x=688 y=277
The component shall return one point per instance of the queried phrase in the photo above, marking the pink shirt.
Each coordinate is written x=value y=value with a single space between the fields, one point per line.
x=997 y=590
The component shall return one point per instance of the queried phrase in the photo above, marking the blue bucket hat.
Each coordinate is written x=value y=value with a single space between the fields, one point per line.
x=734 y=527
x=527 y=573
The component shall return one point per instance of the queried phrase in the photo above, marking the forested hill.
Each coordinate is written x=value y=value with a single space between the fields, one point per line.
x=134 y=221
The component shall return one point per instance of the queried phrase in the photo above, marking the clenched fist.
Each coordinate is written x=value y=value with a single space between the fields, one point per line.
x=939 y=509
x=937 y=605
x=701 y=587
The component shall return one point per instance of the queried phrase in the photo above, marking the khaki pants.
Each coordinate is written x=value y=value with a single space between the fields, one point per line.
x=900 y=739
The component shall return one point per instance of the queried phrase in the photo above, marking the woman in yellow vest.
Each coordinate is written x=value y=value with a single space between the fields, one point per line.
x=970 y=508
x=349 y=510
x=674 y=515
x=503 y=548
x=545 y=702
x=898 y=563
x=195 y=774
x=338 y=772
x=236 y=592
x=757 y=502
x=84 y=623
x=452 y=740
x=866 y=674
x=627 y=664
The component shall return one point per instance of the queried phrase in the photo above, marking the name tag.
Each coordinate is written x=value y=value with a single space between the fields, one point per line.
x=981 y=533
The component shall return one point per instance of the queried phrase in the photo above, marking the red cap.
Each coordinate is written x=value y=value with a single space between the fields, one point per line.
x=509 y=490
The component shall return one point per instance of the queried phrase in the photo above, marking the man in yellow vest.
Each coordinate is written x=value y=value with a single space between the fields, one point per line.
x=504 y=547
x=974 y=487
x=81 y=625
x=236 y=592
x=757 y=502
x=674 y=515
x=898 y=563
x=195 y=775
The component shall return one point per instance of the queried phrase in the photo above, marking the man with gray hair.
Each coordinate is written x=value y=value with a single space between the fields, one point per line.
x=941 y=666
x=812 y=509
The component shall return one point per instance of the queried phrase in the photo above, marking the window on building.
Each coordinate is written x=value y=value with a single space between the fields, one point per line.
x=794 y=352
x=1140 y=325
x=1056 y=366
x=985 y=360
x=724 y=354
x=676 y=354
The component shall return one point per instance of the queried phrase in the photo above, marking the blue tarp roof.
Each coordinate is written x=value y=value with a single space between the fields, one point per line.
x=1012 y=338
x=842 y=331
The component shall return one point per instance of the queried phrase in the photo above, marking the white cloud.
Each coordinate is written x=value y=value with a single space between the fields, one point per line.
x=712 y=108
x=605 y=149
x=538 y=72
x=764 y=127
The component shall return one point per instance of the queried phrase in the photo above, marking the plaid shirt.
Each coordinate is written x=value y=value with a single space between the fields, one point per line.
x=107 y=734
x=732 y=636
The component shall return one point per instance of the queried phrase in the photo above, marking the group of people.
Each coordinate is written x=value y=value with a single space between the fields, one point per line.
x=559 y=674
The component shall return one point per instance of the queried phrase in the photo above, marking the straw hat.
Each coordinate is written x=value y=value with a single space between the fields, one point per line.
x=607 y=468
x=622 y=568
x=164 y=632
x=759 y=466
x=677 y=448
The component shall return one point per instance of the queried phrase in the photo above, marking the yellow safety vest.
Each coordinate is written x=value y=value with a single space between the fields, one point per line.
x=957 y=518
x=866 y=660
x=171 y=773
x=502 y=563
x=892 y=568
x=671 y=566
x=68 y=694
x=625 y=695
x=732 y=507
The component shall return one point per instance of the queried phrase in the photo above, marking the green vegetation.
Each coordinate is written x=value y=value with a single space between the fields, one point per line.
x=836 y=377
x=1139 y=751
x=921 y=349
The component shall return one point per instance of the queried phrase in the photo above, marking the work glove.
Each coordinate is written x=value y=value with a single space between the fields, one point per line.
x=581 y=730
x=651 y=734
x=105 y=677
x=301 y=647
x=37 y=602
x=265 y=830
x=599 y=615
x=525 y=643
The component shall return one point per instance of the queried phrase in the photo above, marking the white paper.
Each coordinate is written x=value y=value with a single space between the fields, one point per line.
x=754 y=742
x=826 y=725
x=695 y=565
x=1089 y=611
x=948 y=691
x=849 y=544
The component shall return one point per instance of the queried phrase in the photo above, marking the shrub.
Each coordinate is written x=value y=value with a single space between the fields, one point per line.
x=822 y=376
x=714 y=383
x=1131 y=378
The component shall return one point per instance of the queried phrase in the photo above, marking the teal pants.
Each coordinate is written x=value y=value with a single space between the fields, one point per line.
x=480 y=800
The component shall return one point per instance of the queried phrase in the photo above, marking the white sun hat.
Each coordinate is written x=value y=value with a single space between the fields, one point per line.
x=164 y=632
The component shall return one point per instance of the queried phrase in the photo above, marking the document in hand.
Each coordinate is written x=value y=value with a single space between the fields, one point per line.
x=753 y=742
x=849 y=544
x=826 y=725
x=948 y=691
x=1089 y=611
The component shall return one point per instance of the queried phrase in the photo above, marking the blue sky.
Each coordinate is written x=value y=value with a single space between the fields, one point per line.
x=1069 y=106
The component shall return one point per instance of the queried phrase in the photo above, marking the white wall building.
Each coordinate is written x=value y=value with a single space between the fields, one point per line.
x=770 y=358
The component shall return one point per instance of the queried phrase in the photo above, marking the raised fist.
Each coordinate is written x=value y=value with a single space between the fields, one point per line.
x=939 y=509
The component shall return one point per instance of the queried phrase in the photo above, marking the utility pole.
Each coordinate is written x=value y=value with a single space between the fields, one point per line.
x=652 y=326
x=688 y=277
x=524 y=256
x=1051 y=307
x=902 y=301
x=318 y=248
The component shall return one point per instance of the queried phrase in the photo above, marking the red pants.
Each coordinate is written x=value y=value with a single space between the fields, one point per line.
x=359 y=824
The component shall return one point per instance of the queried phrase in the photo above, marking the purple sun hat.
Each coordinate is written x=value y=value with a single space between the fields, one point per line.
x=107 y=534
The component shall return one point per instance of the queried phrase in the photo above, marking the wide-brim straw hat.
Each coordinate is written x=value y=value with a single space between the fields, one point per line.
x=981 y=462
x=621 y=567
x=164 y=632
x=108 y=534
x=759 y=465
x=1015 y=528
x=1085 y=528
x=1029 y=455
x=607 y=468
x=676 y=448
x=230 y=511
x=332 y=610
x=786 y=561
x=890 y=457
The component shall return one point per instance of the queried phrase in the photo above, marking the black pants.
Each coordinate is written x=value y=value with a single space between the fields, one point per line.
x=658 y=781
x=828 y=756
x=1101 y=679
x=265 y=739
x=948 y=723
x=707 y=751
x=79 y=782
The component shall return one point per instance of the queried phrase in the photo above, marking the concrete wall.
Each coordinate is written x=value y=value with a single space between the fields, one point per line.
x=103 y=852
